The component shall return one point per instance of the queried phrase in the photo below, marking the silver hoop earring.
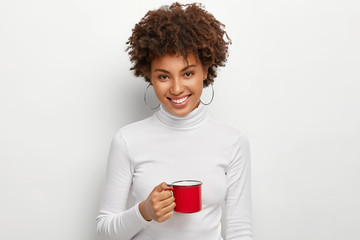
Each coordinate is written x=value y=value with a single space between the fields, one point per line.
x=145 y=98
x=212 y=96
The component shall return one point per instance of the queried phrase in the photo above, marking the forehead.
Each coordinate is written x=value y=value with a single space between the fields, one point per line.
x=173 y=61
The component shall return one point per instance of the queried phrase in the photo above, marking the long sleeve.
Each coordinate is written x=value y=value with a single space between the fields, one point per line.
x=168 y=148
x=114 y=221
x=238 y=196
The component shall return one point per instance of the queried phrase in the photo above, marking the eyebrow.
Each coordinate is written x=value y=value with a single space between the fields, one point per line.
x=182 y=70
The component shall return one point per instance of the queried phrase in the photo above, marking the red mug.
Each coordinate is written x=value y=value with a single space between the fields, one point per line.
x=187 y=194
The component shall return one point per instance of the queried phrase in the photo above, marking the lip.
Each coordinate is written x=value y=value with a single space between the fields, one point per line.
x=180 y=105
x=177 y=98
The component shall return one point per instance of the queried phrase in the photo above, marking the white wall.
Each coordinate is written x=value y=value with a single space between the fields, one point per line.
x=292 y=83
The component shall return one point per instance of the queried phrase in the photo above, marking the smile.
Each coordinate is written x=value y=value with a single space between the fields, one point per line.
x=180 y=100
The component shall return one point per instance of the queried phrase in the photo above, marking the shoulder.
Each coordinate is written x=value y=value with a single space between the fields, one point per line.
x=135 y=129
x=138 y=125
x=222 y=129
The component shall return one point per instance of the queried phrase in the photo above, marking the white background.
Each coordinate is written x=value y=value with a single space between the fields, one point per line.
x=291 y=82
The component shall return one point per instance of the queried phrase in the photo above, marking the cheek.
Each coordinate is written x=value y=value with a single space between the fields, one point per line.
x=159 y=88
x=199 y=85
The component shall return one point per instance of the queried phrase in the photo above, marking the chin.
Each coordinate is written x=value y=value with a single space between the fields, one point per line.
x=181 y=112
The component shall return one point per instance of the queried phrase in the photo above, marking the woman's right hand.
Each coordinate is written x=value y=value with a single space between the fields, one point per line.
x=159 y=205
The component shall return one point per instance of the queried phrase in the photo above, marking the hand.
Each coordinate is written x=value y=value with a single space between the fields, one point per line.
x=159 y=205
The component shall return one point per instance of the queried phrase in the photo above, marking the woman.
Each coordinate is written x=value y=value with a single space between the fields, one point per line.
x=177 y=49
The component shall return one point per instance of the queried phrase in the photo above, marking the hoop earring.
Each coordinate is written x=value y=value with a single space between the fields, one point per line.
x=212 y=96
x=145 y=98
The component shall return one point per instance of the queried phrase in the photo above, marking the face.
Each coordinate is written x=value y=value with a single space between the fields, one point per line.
x=178 y=85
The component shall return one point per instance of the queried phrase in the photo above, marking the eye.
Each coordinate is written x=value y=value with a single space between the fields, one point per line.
x=189 y=74
x=163 y=77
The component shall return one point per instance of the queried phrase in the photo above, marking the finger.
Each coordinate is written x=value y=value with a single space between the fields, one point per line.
x=165 y=186
x=169 y=206
x=168 y=213
x=166 y=194
x=161 y=187
x=166 y=202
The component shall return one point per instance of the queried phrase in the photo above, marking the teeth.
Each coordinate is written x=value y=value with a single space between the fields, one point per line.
x=180 y=100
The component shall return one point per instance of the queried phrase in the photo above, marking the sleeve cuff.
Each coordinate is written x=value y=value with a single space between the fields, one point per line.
x=140 y=217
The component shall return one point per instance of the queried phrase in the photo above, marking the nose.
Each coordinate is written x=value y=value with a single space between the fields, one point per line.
x=177 y=87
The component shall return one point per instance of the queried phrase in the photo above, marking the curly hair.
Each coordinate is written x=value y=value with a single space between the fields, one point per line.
x=179 y=28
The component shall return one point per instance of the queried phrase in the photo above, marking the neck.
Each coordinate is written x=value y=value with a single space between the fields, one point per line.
x=193 y=119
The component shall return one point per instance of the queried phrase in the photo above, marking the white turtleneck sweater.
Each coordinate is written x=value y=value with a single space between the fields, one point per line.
x=167 y=148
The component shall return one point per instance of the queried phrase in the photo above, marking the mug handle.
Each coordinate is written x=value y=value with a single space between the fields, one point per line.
x=170 y=185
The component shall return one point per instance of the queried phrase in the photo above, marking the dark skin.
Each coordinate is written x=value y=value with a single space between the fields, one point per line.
x=175 y=78
x=159 y=205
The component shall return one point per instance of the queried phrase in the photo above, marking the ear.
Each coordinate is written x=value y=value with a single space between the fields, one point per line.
x=148 y=76
x=205 y=73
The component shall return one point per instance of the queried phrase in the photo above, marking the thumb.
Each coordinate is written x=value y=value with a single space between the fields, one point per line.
x=161 y=187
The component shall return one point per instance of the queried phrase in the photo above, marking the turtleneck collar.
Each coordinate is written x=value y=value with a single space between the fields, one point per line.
x=191 y=120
